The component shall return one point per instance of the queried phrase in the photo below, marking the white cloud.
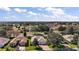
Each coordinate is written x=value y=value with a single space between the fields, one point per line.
x=43 y=15
x=58 y=14
x=39 y=9
x=6 y=17
x=20 y=10
x=55 y=11
x=9 y=17
x=32 y=13
x=70 y=17
x=5 y=8
x=65 y=18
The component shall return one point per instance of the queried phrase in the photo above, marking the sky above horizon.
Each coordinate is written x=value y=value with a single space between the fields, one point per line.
x=39 y=14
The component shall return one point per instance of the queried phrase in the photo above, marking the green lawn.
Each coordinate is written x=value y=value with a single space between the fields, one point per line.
x=31 y=33
x=30 y=48
x=72 y=45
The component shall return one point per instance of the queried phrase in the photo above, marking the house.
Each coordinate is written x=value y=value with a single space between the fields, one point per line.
x=12 y=32
x=3 y=41
x=14 y=42
x=68 y=37
x=19 y=40
x=40 y=39
x=22 y=42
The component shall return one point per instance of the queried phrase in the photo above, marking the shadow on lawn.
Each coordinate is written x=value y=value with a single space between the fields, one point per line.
x=38 y=49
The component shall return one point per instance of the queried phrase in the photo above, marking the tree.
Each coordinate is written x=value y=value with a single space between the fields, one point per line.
x=71 y=30
x=2 y=32
x=56 y=39
x=43 y=27
x=61 y=28
x=75 y=39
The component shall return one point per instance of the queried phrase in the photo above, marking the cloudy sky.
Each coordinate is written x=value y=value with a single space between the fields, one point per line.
x=39 y=14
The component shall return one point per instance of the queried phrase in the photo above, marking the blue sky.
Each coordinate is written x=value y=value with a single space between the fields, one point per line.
x=39 y=14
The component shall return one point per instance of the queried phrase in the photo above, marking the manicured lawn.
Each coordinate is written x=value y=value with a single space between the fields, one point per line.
x=30 y=48
x=31 y=33
x=2 y=49
x=73 y=46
